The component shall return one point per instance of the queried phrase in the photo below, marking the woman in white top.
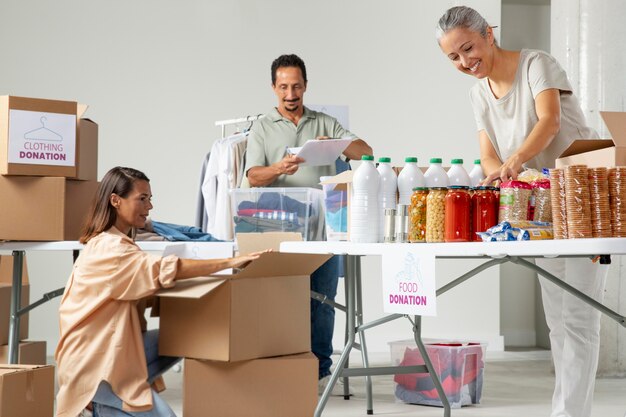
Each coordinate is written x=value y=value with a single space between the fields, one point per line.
x=527 y=114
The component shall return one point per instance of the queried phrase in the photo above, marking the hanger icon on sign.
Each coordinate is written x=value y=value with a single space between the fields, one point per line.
x=43 y=133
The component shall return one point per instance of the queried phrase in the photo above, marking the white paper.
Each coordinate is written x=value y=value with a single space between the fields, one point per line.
x=39 y=138
x=409 y=285
x=317 y=152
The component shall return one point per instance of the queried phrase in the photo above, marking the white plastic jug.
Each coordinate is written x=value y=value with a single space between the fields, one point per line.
x=476 y=174
x=388 y=190
x=457 y=175
x=435 y=175
x=410 y=177
x=364 y=207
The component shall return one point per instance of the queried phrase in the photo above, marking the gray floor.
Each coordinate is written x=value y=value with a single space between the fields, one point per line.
x=516 y=384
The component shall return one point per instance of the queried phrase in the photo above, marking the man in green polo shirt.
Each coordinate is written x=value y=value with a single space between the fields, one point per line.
x=290 y=124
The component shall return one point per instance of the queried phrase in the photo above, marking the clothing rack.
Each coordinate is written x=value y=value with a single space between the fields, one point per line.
x=224 y=123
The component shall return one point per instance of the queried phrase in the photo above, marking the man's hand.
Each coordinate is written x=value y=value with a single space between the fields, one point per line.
x=288 y=165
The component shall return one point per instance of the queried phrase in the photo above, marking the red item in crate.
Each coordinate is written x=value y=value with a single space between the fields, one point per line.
x=452 y=369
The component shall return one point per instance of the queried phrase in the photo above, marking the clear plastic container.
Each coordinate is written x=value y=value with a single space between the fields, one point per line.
x=364 y=207
x=457 y=175
x=410 y=177
x=336 y=211
x=435 y=175
x=458 y=364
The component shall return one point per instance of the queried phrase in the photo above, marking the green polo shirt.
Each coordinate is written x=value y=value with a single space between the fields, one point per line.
x=270 y=136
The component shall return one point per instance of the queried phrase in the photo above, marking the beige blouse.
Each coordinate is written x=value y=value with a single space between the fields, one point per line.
x=100 y=327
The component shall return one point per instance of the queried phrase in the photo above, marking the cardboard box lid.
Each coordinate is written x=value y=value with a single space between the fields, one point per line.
x=341 y=180
x=11 y=369
x=616 y=123
x=273 y=264
x=255 y=242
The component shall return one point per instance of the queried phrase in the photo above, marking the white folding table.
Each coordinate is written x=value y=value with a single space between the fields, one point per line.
x=18 y=250
x=494 y=253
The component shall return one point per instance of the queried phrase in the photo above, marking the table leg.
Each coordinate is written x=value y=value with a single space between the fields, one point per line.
x=417 y=331
x=349 y=276
x=16 y=297
x=359 y=322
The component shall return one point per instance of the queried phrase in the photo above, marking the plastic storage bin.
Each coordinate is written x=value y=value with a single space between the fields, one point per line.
x=274 y=209
x=336 y=212
x=459 y=366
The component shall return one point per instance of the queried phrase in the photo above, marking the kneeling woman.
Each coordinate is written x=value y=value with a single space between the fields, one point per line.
x=104 y=360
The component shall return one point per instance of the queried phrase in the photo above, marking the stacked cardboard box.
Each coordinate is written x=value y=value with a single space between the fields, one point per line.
x=48 y=162
x=247 y=333
x=26 y=391
x=29 y=352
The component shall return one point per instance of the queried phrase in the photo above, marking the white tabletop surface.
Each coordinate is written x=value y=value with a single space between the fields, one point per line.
x=534 y=248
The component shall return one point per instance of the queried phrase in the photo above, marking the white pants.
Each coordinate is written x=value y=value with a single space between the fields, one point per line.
x=574 y=332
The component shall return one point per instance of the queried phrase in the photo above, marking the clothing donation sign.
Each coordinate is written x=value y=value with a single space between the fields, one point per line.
x=42 y=138
x=409 y=282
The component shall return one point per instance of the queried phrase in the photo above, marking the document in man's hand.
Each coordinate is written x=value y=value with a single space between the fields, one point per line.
x=317 y=152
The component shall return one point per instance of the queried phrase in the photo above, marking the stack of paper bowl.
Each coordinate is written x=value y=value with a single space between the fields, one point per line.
x=577 y=202
x=559 y=210
x=600 y=205
x=617 y=193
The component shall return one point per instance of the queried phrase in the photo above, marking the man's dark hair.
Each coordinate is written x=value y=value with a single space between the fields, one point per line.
x=288 y=61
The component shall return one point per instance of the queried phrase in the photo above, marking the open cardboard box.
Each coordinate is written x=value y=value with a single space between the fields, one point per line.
x=599 y=152
x=6 y=284
x=26 y=391
x=43 y=137
x=261 y=311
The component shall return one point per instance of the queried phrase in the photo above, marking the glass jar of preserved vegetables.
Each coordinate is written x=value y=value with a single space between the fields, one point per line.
x=484 y=210
x=417 y=215
x=457 y=214
x=435 y=214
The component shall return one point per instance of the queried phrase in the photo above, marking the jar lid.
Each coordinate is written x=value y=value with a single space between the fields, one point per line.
x=438 y=188
x=435 y=160
x=420 y=189
x=367 y=158
x=458 y=187
x=384 y=159
x=410 y=159
x=456 y=161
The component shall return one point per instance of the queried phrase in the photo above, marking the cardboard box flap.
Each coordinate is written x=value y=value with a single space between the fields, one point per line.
x=10 y=369
x=255 y=242
x=341 y=180
x=192 y=288
x=616 y=123
x=6 y=271
x=81 y=110
x=280 y=264
x=586 y=145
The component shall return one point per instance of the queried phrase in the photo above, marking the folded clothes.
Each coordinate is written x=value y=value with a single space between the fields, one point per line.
x=277 y=201
x=180 y=233
x=256 y=225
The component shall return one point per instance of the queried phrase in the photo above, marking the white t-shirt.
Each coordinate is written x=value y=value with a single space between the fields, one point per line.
x=509 y=119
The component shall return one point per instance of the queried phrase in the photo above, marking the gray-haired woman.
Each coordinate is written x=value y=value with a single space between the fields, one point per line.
x=527 y=115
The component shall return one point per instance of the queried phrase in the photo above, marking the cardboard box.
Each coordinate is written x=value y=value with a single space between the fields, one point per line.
x=6 y=281
x=29 y=353
x=599 y=152
x=284 y=386
x=43 y=208
x=262 y=311
x=26 y=391
x=87 y=167
x=38 y=137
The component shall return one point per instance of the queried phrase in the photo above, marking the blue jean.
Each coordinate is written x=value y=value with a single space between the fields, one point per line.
x=324 y=281
x=106 y=404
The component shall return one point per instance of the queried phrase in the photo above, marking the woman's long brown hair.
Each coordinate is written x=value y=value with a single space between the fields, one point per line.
x=102 y=214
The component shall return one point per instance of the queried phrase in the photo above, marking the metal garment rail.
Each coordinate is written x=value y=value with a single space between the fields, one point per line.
x=355 y=325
